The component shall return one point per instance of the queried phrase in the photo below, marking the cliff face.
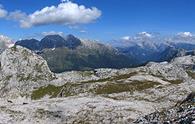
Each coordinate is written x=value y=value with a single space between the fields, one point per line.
x=31 y=93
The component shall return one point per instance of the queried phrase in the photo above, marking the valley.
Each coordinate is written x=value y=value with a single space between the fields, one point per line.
x=31 y=93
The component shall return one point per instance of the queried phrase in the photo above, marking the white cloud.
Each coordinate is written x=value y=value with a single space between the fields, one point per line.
x=126 y=38
x=52 y=33
x=17 y=15
x=5 y=42
x=83 y=31
x=66 y=13
x=3 y=12
x=185 y=34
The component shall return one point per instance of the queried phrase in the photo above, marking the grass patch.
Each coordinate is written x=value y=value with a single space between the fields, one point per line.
x=178 y=81
x=50 y=90
x=73 y=89
x=123 y=76
x=94 y=81
x=114 y=78
x=110 y=88
x=53 y=91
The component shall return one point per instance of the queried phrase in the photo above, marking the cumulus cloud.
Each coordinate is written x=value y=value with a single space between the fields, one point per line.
x=66 y=13
x=3 y=12
x=52 y=33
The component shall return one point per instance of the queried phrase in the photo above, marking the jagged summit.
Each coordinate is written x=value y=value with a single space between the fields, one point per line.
x=57 y=41
x=72 y=41
x=51 y=41
x=31 y=44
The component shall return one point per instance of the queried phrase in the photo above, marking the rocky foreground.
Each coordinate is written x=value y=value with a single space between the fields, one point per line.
x=31 y=93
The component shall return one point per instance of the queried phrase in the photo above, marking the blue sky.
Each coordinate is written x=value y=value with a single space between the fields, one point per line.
x=117 y=18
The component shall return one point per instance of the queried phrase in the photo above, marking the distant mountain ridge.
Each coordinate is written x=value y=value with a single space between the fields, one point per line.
x=51 y=41
x=146 y=49
x=71 y=53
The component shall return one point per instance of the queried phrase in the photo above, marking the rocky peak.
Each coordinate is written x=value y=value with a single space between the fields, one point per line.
x=72 y=41
x=56 y=41
x=31 y=44
x=22 y=70
x=52 y=41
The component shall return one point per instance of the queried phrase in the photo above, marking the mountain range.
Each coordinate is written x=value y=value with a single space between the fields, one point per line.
x=71 y=53
x=145 y=47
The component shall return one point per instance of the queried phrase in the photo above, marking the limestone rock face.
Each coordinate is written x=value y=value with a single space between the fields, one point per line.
x=167 y=70
x=31 y=93
x=22 y=70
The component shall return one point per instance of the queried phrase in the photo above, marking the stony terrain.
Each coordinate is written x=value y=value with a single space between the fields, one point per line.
x=31 y=93
x=183 y=114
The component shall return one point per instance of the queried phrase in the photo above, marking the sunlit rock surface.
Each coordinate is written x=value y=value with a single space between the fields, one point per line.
x=31 y=93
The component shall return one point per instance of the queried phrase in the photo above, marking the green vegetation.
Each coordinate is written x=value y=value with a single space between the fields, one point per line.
x=114 y=78
x=73 y=89
x=53 y=91
x=110 y=88
x=123 y=76
x=64 y=59
x=178 y=81
x=50 y=90
x=94 y=81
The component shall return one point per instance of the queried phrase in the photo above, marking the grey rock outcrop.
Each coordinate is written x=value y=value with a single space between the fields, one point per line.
x=29 y=91
x=22 y=71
